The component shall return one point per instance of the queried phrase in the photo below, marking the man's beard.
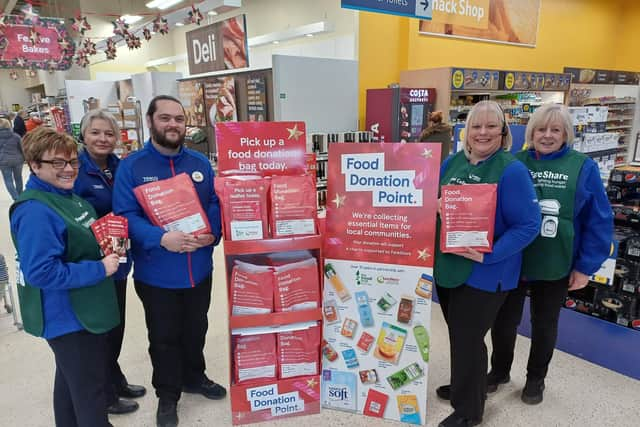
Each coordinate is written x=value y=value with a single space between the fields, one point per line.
x=162 y=141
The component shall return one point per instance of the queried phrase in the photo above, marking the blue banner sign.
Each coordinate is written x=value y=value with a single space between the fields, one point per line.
x=412 y=8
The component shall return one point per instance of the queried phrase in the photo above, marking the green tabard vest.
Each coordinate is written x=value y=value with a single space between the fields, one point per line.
x=549 y=257
x=453 y=270
x=96 y=307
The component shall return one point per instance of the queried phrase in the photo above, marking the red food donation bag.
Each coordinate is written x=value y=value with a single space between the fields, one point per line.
x=293 y=206
x=467 y=215
x=251 y=289
x=255 y=358
x=244 y=206
x=296 y=286
x=299 y=352
x=174 y=205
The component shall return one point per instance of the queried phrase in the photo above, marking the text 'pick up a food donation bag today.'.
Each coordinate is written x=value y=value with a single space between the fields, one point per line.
x=467 y=215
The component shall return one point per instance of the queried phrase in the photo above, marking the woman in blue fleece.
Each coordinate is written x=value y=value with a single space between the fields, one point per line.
x=67 y=296
x=473 y=286
x=100 y=133
x=572 y=243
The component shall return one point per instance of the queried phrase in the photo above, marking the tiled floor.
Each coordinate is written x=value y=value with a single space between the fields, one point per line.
x=578 y=393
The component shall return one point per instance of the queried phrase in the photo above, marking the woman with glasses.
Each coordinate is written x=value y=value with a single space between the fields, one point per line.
x=472 y=286
x=100 y=133
x=68 y=297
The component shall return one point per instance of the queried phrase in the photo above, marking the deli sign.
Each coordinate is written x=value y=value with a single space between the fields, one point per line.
x=219 y=46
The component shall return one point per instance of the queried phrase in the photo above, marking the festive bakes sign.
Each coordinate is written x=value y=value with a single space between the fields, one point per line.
x=379 y=278
x=264 y=148
x=44 y=45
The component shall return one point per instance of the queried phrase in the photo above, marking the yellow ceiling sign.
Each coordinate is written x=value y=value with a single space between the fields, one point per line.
x=469 y=13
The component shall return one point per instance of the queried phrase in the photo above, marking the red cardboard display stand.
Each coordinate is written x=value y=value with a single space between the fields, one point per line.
x=263 y=400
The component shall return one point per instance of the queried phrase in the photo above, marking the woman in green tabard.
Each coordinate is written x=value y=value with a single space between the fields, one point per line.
x=472 y=286
x=573 y=242
x=67 y=296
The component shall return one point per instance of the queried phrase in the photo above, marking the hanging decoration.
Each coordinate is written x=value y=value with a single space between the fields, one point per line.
x=81 y=59
x=120 y=28
x=133 y=42
x=80 y=24
x=63 y=43
x=31 y=73
x=34 y=36
x=195 y=17
x=13 y=75
x=89 y=47
x=29 y=15
x=111 y=49
x=20 y=62
x=160 y=25
x=146 y=33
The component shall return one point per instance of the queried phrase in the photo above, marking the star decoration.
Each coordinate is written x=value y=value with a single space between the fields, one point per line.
x=89 y=47
x=423 y=254
x=160 y=25
x=80 y=24
x=3 y=42
x=195 y=17
x=63 y=43
x=82 y=60
x=31 y=73
x=52 y=64
x=34 y=36
x=427 y=154
x=120 y=28
x=110 y=52
x=13 y=75
x=133 y=42
x=339 y=200
x=311 y=382
x=146 y=33
x=20 y=62
x=27 y=11
x=294 y=132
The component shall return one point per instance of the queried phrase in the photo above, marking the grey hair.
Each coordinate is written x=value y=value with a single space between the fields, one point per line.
x=4 y=123
x=546 y=114
x=492 y=107
x=92 y=115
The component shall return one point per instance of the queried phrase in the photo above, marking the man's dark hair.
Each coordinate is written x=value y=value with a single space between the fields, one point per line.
x=153 y=104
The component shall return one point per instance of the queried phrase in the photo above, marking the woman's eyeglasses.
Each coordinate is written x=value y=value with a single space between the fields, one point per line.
x=61 y=164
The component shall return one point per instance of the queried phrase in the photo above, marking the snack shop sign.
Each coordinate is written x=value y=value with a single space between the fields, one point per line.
x=412 y=8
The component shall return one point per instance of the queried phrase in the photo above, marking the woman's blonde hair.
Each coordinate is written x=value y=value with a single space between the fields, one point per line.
x=5 y=124
x=546 y=114
x=43 y=139
x=491 y=107
x=92 y=115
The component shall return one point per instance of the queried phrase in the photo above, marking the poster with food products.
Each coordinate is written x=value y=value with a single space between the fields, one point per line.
x=191 y=94
x=378 y=273
x=220 y=99
x=256 y=98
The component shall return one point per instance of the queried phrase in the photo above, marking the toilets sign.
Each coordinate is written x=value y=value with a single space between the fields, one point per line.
x=219 y=46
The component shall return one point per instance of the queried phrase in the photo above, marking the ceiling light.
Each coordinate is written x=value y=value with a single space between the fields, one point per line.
x=308 y=35
x=131 y=19
x=212 y=13
x=62 y=21
x=162 y=4
x=275 y=42
x=308 y=30
x=179 y=24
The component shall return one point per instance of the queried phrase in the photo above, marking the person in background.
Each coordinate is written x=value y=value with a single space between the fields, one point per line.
x=572 y=243
x=11 y=159
x=472 y=286
x=18 y=123
x=67 y=297
x=4 y=284
x=98 y=165
x=437 y=131
x=33 y=122
x=173 y=269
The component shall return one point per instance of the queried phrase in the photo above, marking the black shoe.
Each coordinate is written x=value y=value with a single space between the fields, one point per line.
x=444 y=392
x=131 y=391
x=167 y=415
x=494 y=380
x=122 y=406
x=532 y=392
x=207 y=388
x=455 y=420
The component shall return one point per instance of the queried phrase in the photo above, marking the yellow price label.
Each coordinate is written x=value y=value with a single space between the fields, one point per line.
x=457 y=79
x=600 y=279
x=509 y=81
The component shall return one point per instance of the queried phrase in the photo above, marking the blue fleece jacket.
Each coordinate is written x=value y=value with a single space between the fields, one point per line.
x=95 y=187
x=593 y=217
x=42 y=238
x=517 y=224
x=153 y=264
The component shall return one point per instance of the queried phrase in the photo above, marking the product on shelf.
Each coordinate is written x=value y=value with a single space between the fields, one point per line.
x=296 y=286
x=340 y=390
x=251 y=289
x=390 y=343
x=254 y=358
x=244 y=203
x=293 y=206
x=298 y=352
x=375 y=404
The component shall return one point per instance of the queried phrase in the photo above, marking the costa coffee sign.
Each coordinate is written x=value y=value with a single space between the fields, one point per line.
x=219 y=46
x=44 y=45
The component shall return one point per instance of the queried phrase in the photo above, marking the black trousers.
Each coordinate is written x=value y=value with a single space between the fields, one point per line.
x=177 y=325
x=114 y=338
x=547 y=297
x=469 y=314
x=79 y=398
